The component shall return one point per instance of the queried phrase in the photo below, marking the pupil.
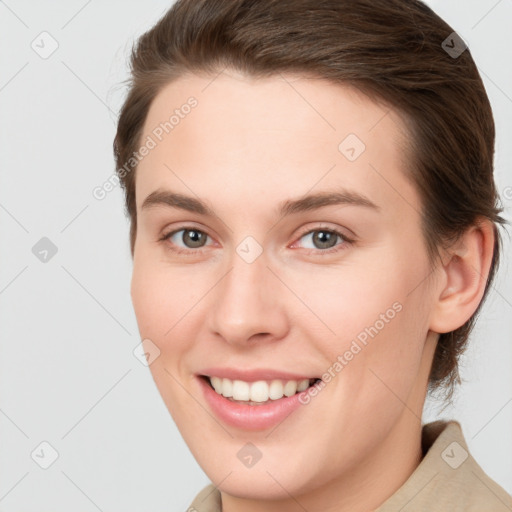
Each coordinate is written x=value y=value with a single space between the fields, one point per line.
x=195 y=238
x=324 y=237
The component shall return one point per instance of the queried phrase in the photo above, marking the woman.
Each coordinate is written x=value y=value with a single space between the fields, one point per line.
x=313 y=230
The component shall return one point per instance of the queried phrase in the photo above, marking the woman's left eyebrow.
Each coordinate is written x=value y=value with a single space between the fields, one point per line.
x=326 y=198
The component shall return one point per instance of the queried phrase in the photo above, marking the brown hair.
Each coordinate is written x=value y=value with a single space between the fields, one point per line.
x=390 y=50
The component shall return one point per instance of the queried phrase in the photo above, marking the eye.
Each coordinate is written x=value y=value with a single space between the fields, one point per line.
x=325 y=240
x=186 y=238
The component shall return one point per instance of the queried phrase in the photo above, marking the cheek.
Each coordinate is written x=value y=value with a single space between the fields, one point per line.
x=339 y=303
x=374 y=315
x=159 y=295
x=374 y=355
x=169 y=304
x=161 y=301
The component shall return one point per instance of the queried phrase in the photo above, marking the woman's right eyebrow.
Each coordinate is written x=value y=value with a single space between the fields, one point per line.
x=168 y=198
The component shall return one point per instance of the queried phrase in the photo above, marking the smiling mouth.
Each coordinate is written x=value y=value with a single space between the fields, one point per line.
x=259 y=392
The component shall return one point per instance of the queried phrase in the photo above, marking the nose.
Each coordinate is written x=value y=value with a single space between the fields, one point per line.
x=248 y=304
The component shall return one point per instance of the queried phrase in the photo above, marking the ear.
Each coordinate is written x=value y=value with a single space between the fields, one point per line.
x=464 y=270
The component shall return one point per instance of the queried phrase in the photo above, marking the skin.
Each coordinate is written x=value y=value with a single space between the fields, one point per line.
x=247 y=146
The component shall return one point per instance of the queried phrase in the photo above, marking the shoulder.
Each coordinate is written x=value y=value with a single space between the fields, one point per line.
x=448 y=477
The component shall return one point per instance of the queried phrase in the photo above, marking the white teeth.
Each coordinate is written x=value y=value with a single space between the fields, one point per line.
x=290 y=388
x=259 y=391
x=303 y=385
x=216 y=382
x=227 y=388
x=241 y=390
x=275 y=390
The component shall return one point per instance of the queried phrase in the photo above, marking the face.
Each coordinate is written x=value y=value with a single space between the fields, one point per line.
x=279 y=239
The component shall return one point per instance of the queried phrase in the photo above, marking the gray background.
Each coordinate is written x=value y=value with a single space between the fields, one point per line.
x=68 y=373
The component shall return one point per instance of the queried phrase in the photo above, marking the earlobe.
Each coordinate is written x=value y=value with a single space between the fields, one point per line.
x=464 y=275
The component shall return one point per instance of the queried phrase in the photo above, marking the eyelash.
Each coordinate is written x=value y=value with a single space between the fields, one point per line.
x=192 y=252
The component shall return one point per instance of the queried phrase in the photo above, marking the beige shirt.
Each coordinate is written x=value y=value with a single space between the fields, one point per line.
x=448 y=479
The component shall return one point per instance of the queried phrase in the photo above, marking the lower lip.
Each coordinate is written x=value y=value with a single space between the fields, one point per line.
x=249 y=417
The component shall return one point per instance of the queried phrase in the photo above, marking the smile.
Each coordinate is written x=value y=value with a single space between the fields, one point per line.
x=259 y=392
x=275 y=400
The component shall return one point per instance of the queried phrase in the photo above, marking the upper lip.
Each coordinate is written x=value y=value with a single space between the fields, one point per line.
x=252 y=375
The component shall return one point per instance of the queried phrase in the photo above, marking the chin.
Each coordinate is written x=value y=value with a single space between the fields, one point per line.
x=243 y=484
x=268 y=479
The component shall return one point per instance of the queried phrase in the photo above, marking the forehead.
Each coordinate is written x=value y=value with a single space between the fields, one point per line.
x=280 y=134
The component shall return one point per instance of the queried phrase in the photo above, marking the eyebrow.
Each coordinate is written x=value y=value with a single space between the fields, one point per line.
x=306 y=203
